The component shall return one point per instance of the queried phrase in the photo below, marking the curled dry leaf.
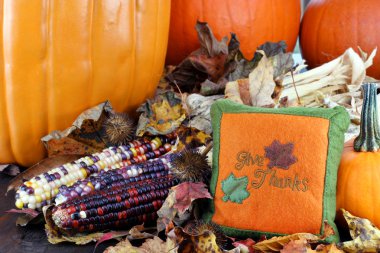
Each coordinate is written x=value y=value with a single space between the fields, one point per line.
x=39 y=168
x=277 y=243
x=186 y=193
x=168 y=214
x=199 y=111
x=206 y=63
x=161 y=115
x=85 y=136
x=365 y=236
x=28 y=216
x=9 y=169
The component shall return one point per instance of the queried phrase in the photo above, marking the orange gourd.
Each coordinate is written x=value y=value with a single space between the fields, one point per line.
x=58 y=58
x=358 y=185
x=329 y=27
x=254 y=21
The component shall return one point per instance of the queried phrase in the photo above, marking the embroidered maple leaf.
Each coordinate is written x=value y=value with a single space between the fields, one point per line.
x=235 y=189
x=280 y=155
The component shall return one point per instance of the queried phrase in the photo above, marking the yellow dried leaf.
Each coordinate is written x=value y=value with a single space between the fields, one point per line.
x=124 y=247
x=162 y=115
x=156 y=245
x=277 y=243
x=365 y=235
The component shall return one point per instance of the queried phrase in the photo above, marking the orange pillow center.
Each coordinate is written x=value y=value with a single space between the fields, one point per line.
x=271 y=172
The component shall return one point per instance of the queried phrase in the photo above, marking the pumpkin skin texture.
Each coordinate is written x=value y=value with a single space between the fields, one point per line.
x=254 y=21
x=61 y=57
x=329 y=27
x=358 y=185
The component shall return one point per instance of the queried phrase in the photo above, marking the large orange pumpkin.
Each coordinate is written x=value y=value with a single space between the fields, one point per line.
x=358 y=185
x=60 y=57
x=329 y=27
x=254 y=21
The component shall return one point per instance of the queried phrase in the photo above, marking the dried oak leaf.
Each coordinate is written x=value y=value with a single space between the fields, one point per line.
x=85 y=136
x=235 y=189
x=187 y=192
x=161 y=115
x=365 y=235
x=280 y=155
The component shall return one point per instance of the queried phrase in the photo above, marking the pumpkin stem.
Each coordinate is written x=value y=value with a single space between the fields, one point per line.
x=369 y=137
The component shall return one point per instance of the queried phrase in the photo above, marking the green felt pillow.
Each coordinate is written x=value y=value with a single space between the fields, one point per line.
x=275 y=170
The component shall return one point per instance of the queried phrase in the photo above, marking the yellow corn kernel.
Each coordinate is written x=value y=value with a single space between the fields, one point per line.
x=84 y=172
x=19 y=204
x=134 y=152
x=48 y=195
x=90 y=185
x=38 y=199
x=158 y=141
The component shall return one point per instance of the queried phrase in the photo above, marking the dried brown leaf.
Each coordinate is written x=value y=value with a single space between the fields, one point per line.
x=261 y=84
x=85 y=136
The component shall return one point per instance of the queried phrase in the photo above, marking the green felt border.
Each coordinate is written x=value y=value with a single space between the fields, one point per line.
x=339 y=121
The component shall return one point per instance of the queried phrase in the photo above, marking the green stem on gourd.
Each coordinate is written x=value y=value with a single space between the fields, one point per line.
x=369 y=137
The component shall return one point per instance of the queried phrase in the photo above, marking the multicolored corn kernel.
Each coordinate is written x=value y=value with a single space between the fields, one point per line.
x=106 y=179
x=46 y=185
x=115 y=207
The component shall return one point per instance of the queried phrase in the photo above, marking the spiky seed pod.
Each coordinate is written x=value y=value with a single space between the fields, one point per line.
x=119 y=129
x=199 y=227
x=191 y=166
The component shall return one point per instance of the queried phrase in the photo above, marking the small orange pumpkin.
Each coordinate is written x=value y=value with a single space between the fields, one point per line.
x=58 y=58
x=358 y=186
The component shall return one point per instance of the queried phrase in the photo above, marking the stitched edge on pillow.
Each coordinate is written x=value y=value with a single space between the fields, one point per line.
x=338 y=125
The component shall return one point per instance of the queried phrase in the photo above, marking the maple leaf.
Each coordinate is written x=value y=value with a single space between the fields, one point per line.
x=161 y=115
x=187 y=192
x=365 y=235
x=235 y=189
x=280 y=155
